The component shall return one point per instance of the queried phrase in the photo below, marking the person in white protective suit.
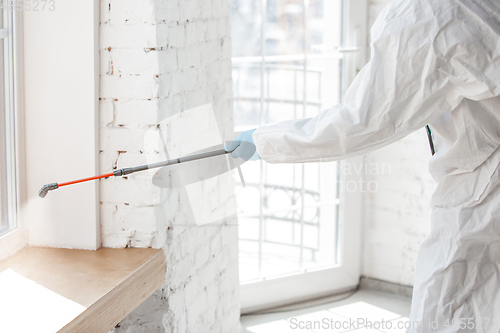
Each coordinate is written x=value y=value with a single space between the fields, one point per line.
x=432 y=62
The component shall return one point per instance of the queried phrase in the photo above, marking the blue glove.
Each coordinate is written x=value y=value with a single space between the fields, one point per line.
x=243 y=150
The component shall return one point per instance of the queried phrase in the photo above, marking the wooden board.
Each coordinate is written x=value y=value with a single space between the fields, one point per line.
x=61 y=290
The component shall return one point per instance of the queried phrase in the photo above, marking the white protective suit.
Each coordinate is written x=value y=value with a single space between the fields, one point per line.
x=432 y=62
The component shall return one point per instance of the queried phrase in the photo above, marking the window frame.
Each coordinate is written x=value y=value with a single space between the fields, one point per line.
x=9 y=124
x=16 y=238
x=281 y=291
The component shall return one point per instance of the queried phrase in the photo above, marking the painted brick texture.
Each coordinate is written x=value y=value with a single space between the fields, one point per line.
x=158 y=58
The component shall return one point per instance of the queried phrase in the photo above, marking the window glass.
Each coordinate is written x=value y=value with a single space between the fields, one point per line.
x=7 y=119
x=285 y=66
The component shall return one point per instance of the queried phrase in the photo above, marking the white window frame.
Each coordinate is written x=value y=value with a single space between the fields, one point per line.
x=9 y=125
x=15 y=238
x=344 y=276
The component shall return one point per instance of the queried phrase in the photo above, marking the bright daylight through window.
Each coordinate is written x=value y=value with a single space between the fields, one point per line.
x=286 y=66
x=7 y=133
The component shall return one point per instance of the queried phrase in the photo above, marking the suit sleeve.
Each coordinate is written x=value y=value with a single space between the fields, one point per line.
x=426 y=57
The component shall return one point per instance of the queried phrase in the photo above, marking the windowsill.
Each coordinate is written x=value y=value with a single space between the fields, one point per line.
x=11 y=242
x=62 y=290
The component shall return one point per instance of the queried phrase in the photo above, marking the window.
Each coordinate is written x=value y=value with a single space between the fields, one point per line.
x=286 y=67
x=7 y=122
x=293 y=59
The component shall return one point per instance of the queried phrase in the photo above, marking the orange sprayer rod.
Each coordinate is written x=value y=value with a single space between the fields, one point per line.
x=125 y=171
x=85 y=179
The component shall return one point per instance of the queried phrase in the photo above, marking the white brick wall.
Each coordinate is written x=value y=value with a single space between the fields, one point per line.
x=159 y=57
x=397 y=216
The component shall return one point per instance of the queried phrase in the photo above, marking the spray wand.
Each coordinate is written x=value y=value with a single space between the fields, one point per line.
x=126 y=171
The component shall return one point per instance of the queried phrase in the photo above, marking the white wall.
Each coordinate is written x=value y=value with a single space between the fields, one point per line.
x=397 y=216
x=158 y=58
x=374 y=9
x=61 y=102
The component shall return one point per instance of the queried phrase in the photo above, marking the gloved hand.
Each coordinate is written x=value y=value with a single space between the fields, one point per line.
x=245 y=151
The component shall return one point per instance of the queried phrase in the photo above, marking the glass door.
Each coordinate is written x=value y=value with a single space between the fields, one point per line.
x=291 y=59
